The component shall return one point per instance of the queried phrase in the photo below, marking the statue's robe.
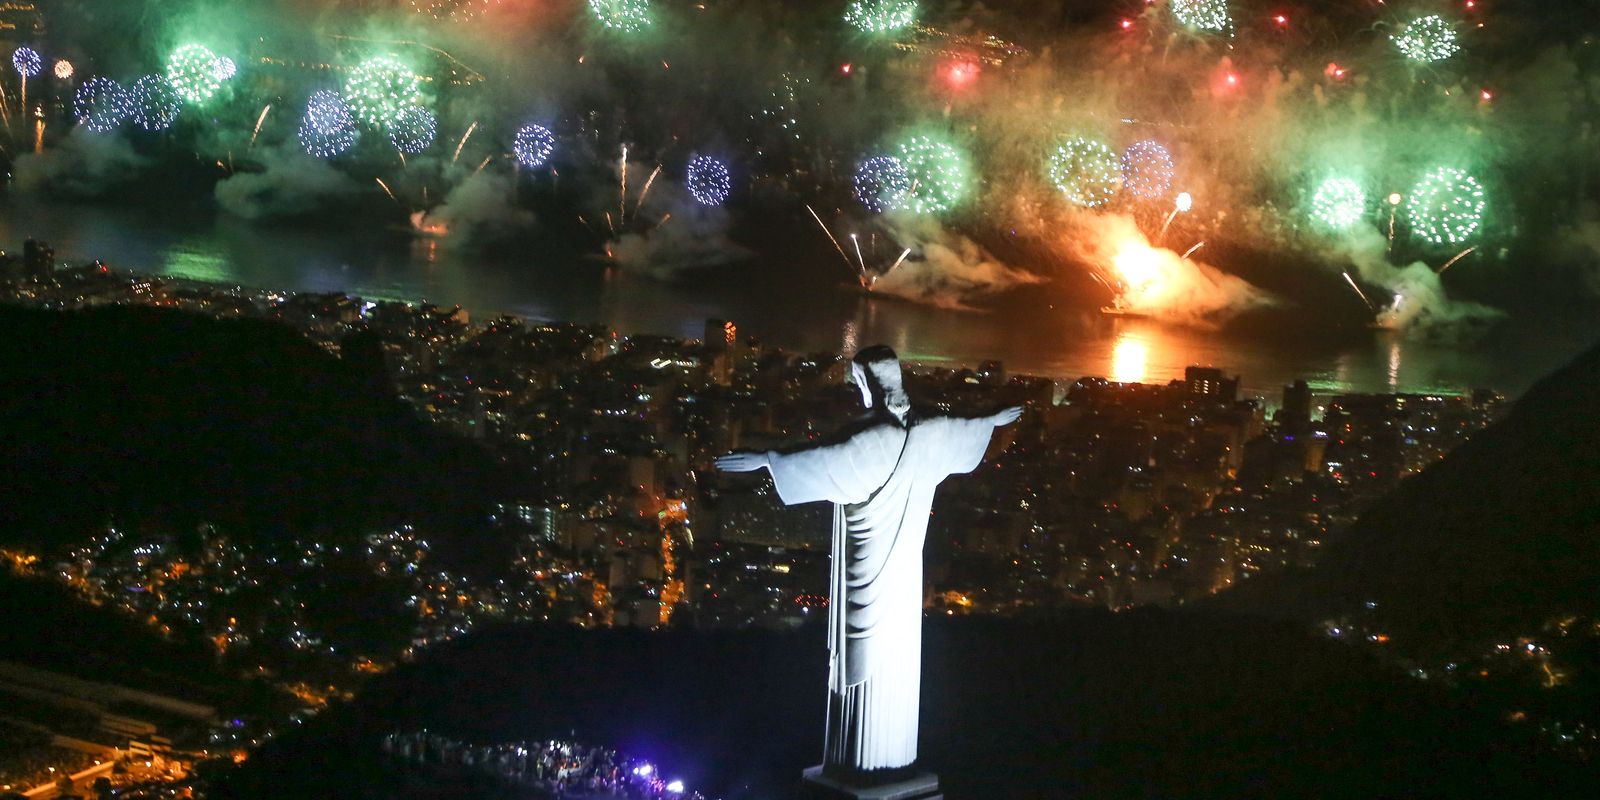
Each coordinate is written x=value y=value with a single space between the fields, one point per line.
x=881 y=481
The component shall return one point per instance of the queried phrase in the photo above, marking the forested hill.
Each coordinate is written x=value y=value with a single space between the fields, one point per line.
x=1500 y=537
x=150 y=416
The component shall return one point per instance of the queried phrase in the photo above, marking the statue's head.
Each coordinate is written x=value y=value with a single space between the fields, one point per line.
x=876 y=372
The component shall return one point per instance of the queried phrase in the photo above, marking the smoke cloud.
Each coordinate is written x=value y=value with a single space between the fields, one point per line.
x=83 y=165
x=945 y=269
x=1415 y=300
x=1154 y=280
x=693 y=237
x=479 y=211
x=289 y=184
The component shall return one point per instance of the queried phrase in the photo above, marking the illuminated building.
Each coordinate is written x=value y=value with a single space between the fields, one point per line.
x=1210 y=382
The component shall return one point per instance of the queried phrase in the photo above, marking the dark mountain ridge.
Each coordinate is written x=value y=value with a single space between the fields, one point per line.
x=160 y=417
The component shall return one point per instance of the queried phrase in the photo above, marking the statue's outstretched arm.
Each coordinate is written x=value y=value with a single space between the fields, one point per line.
x=1005 y=416
x=848 y=471
x=742 y=462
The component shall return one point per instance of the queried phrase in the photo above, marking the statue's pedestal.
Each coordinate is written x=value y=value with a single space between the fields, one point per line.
x=921 y=786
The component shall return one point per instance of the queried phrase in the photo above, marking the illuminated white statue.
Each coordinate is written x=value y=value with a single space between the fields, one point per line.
x=881 y=480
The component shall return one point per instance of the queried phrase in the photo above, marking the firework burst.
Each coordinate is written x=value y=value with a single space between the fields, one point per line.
x=1147 y=169
x=154 y=102
x=101 y=104
x=533 y=146
x=192 y=69
x=1203 y=15
x=453 y=10
x=1446 y=206
x=625 y=16
x=1087 y=172
x=708 y=181
x=1338 y=203
x=328 y=128
x=1426 y=39
x=881 y=16
x=938 y=174
x=413 y=130
x=26 y=61
x=881 y=184
x=379 y=88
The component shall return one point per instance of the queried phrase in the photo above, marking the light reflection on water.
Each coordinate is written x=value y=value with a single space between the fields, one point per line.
x=1129 y=358
x=797 y=305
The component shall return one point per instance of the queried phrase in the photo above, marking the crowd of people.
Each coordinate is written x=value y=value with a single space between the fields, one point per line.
x=561 y=769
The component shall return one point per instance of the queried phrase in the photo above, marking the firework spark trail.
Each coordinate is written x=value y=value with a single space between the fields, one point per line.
x=482 y=164
x=664 y=218
x=1197 y=246
x=825 y=230
x=1163 y=234
x=898 y=261
x=1455 y=258
x=622 y=189
x=463 y=142
x=1359 y=293
x=381 y=184
x=857 y=242
x=259 y=120
x=646 y=191
x=609 y=225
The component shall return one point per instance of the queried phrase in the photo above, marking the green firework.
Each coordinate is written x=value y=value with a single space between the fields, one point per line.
x=193 y=69
x=881 y=16
x=1427 y=39
x=627 y=16
x=1204 y=15
x=1446 y=206
x=379 y=88
x=1087 y=172
x=1338 y=203
x=938 y=174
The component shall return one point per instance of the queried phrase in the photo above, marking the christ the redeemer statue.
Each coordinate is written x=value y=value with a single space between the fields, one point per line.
x=881 y=479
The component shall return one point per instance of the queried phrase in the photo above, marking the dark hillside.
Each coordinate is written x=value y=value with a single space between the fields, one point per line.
x=146 y=416
x=1096 y=705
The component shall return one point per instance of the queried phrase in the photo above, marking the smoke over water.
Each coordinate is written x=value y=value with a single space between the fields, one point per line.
x=693 y=237
x=84 y=165
x=652 y=227
x=478 y=211
x=289 y=184
x=1156 y=281
x=790 y=97
x=946 y=269
x=1414 y=298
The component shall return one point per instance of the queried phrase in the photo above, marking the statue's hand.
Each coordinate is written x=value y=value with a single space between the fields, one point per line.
x=1006 y=416
x=741 y=462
